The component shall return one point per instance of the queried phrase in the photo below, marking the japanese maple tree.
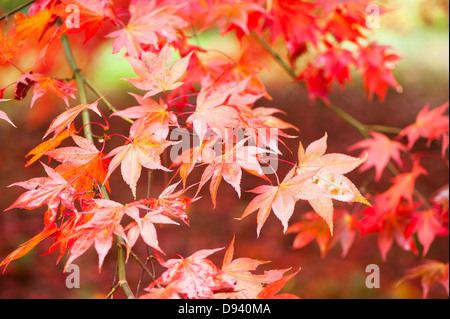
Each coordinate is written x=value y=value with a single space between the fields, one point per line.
x=212 y=97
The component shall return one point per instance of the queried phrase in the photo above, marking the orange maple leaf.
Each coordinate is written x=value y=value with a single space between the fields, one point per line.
x=9 y=46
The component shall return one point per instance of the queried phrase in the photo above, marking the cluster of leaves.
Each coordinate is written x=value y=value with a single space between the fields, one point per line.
x=218 y=94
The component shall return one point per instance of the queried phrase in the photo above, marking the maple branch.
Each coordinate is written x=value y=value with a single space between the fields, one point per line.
x=384 y=129
x=362 y=128
x=80 y=84
x=141 y=263
x=22 y=6
x=337 y=110
x=121 y=260
x=102 y=97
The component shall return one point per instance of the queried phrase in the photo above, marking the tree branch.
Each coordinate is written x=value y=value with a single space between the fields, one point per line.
x=22 y=6
x=80 y=79
x=362 y=128
x=80 y=84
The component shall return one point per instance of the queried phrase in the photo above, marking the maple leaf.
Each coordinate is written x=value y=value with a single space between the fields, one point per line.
x=248 y=285
x=270 y=291
x=146 y=229
x=170 y=202
x=380 y=150
x=65 y=119
x=347 y=21
x=196 y=275
x=333 y=64
x=9 y=46
x=430 y=272
x=403 y=187
x=149 y=112
x=49 y=144
x=146 y=25
x=156 y=72
x=312 y=227
x=282 y=198
x=100 y=229
x=336 y=64
x=66 y=235
x=230 y=14
x=428 y=224
x=83 y=165
x=197 y=154
x=50 y=191
x=229 y=166
x=390 y=224
x=346 y=229
x=211 y=113
x=36 y=24
x=293 y=20
x=143 y=150
x=92 y=15
x=4 y=116
x=377 y=63
x=432 y=125
x=43 y=83
x=330 y=177
x=26 y=247
x=317 y=83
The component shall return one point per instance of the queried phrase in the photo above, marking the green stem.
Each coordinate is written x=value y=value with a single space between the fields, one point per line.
x=384 y=129
x=81 y=82
x=79 y=78
x=22 y=6
x=362 y=129
x=104 y=99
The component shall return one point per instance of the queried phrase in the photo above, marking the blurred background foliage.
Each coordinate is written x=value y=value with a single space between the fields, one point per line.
x=418 y=29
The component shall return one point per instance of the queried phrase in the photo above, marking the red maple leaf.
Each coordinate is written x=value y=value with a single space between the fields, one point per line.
x=403 y=187
x=430 y=272
x=150 y=113
x=65 y=119
x=99 y=231
x=146 y=228
x=147 y=24
x=156 y=72
x=380 y=150
x=428 y=224
x=248 y=284
x=432 y=125
x=329 y=178
x=142 y=151
x=9 y=46
x=282 y=198
x=84 y=166
x=4 y=116
x=377 y=63
x=196 y=275
x=51 y=191
x=270 y=291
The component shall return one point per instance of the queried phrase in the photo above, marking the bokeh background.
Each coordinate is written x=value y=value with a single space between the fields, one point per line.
x=418 y=29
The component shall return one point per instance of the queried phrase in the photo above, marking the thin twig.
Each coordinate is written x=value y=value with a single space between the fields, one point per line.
x=22 y=6
x=142 y=264
x=364 y=130
x=80 y=79
x=80 y=84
